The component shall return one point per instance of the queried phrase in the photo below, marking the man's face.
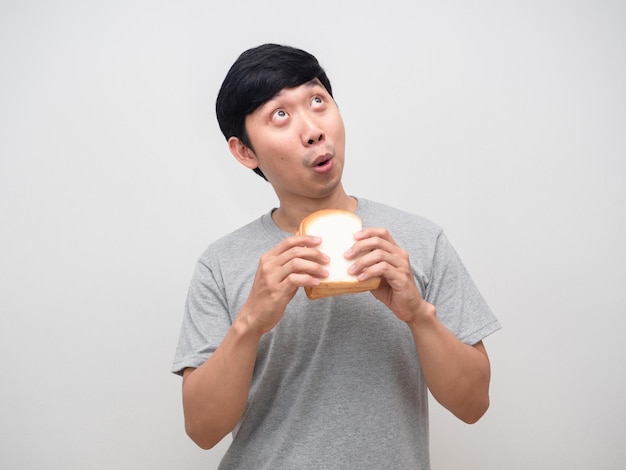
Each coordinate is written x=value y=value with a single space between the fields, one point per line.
x=298 y=141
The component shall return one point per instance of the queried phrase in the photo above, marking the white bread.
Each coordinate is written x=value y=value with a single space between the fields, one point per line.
x=336 y=228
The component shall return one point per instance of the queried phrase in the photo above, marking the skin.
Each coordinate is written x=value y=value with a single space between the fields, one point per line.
x=290 y=135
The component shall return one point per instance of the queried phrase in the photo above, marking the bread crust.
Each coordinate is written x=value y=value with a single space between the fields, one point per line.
x=314 y=216
x=329 y=288
x=332 y=288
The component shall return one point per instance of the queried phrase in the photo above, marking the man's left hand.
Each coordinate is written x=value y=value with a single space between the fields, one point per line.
x=375 y=253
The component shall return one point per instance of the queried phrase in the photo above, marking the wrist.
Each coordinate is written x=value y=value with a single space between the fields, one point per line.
x=424 y=313
x=244 y=326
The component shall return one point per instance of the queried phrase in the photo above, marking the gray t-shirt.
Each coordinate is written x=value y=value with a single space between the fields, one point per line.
x=337 y=383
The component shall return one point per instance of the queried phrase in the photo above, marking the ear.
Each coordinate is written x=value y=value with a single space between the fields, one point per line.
x=242 y=153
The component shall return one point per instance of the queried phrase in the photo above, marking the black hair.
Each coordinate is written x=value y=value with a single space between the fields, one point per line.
x=256 y=77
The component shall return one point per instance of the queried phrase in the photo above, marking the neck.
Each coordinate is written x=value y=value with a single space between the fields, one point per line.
x=289 y=216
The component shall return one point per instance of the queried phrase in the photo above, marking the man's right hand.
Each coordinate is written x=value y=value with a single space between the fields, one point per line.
x=295 y=262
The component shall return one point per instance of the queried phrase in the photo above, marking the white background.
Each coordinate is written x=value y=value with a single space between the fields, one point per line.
x=504 y=122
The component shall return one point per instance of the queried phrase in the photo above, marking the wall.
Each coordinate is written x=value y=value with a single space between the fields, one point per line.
x=501 y=121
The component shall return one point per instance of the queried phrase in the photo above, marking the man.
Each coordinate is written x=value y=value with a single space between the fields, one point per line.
x=339 y=382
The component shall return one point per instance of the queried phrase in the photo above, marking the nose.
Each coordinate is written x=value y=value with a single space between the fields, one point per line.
x=312 y=133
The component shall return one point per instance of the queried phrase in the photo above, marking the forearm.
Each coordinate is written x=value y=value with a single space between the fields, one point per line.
x=457 y=374
x=215 y=394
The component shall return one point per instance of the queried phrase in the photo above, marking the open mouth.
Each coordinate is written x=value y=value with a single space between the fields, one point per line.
x=322 y=160
x=323 y=163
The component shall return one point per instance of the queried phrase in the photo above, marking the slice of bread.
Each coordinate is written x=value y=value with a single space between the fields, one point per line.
x=336 y=228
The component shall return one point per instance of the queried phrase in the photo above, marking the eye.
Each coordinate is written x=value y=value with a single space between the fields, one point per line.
x=317 y=101
x=279 y=115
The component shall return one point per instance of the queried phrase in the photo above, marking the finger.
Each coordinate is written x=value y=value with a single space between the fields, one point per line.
x=297 y=266
x=369 y=244
x=379 y=232
x=300 y=260
x=302 y=252
x=375 y=263
x=278 y=276
x=299 y=240
x=302 y=280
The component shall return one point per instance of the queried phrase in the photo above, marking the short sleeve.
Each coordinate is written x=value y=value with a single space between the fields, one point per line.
x=460 y=306
x=205 y=321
